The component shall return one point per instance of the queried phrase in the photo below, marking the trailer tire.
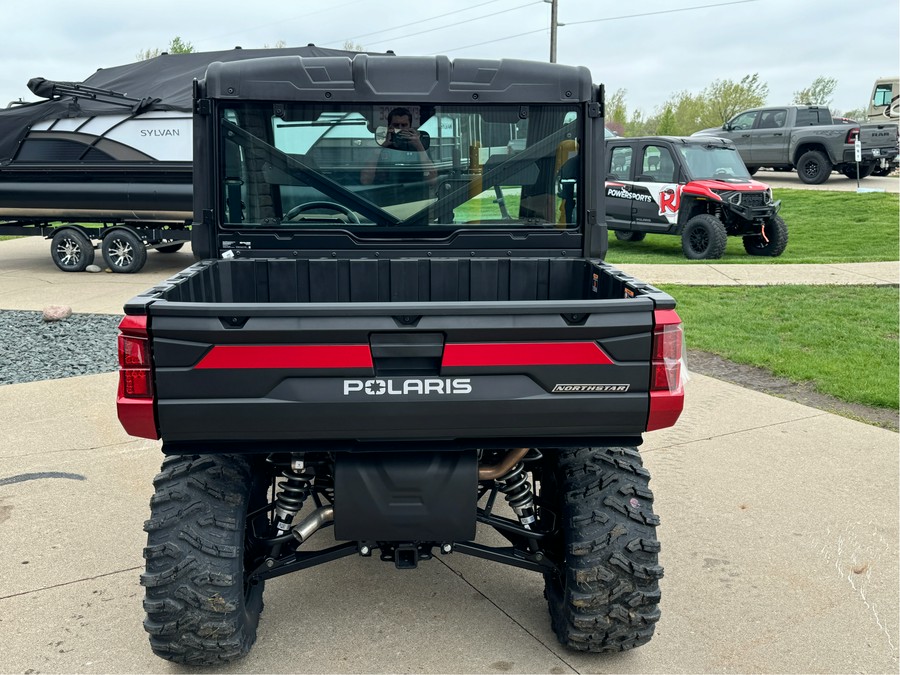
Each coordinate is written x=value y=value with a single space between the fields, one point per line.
x=200 y=608
x=71 y=250
x=777 y=235
x=704 y=238
x=605 y=597
x=124 y=251
x=813 y=167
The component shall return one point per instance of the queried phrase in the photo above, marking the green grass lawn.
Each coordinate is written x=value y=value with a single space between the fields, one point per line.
x=823 y=227
x=842 y=339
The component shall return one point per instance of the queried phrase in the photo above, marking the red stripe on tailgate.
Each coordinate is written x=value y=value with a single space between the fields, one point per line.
x=287 y=356
x=524 y=354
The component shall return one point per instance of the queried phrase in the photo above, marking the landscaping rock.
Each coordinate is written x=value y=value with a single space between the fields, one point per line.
x=57 y=313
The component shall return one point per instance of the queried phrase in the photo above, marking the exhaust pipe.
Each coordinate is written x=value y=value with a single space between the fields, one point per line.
x=497 y=470
x=306 y=528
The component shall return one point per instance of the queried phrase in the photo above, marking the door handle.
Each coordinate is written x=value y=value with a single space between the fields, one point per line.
x=778 y=134
x=745 y=135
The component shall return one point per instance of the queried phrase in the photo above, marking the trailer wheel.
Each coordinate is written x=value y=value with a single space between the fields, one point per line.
x=71 y=250
x=704 y=237
x=201 y=608
x=170 y=248
x=628 y=235
x=605 y=597
x=777 y=234
x=124 y=251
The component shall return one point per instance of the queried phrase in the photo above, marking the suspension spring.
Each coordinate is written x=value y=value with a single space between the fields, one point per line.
x=517 y=491
x=293 y=491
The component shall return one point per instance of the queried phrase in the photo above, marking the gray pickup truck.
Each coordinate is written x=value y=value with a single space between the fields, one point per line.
x=804 y=138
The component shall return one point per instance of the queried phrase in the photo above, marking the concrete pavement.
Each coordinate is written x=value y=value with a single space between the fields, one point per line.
x=779 y=534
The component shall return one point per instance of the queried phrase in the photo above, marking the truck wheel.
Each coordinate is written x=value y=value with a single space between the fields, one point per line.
x=71 y=250
x=777 y=234
x=201 y=610
x=813 y=168
x=704 y=238
x=606 y=596
x=752 y=170
x=865 y=170
x=123 y=251
x=627 y=235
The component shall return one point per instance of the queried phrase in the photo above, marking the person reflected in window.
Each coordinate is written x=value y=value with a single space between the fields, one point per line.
x=403 y=157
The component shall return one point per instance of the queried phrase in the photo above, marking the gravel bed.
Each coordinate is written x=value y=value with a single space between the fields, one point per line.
x=32 y=349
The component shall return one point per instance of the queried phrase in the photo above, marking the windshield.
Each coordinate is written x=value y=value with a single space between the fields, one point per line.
x=377 y=166
x=713 y=162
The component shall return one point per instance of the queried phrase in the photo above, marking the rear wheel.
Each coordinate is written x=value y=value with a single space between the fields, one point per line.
x=865 y=170
x=123 y=251
x=773 y=243
x=606 y=595
x=627 y=235
x=752 y=170
x=71 y=250
x=813 y=168
x=201 y=608
x=704 y=237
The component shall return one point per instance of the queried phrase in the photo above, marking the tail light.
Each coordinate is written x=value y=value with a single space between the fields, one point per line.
x=135 y=400
x=852 y=135
x=666 y=385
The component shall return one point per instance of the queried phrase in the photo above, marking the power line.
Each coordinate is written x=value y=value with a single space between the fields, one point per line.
x=459 y=23
x=416 y=23
x=662 y=11
x=609 y=18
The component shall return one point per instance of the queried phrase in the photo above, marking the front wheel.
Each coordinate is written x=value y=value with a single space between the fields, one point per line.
x=201 y=608
x=813 y=167
x=704 y=237
x=605 y=597
x=771 y=242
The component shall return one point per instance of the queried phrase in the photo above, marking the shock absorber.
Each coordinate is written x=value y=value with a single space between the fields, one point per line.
x=517 y=490
x=293 y=491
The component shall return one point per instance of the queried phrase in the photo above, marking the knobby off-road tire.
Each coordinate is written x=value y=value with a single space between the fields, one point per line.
x=606 y=598
x=704 y=238
x=777 y=234
x=813 y=167
x=200 y=609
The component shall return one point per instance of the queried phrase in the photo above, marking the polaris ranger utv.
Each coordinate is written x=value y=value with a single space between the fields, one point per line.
x=400 y=333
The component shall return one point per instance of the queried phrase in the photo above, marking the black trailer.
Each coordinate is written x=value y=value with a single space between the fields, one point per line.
x=106 y=163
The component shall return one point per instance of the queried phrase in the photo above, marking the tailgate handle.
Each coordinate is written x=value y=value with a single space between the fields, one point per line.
x=407 y=353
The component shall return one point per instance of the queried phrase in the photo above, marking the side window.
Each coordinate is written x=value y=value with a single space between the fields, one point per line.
x=658 y=164
x=807 y=117
x=772 y=119
x=882 y=95
x=745 y=121
x=620 y=163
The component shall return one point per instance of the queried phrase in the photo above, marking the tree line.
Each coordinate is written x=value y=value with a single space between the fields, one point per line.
x=681 y=114
x=685 y=112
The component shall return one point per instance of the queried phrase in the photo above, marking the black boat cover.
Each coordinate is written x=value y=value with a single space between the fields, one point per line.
x=161 y=83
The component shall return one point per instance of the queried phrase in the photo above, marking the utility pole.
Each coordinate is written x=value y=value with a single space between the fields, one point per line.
x=553 y=25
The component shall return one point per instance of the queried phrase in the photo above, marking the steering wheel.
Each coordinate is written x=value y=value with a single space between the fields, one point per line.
x=308 y=206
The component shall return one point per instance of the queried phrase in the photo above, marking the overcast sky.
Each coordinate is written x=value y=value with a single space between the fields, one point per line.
x=652 y=48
